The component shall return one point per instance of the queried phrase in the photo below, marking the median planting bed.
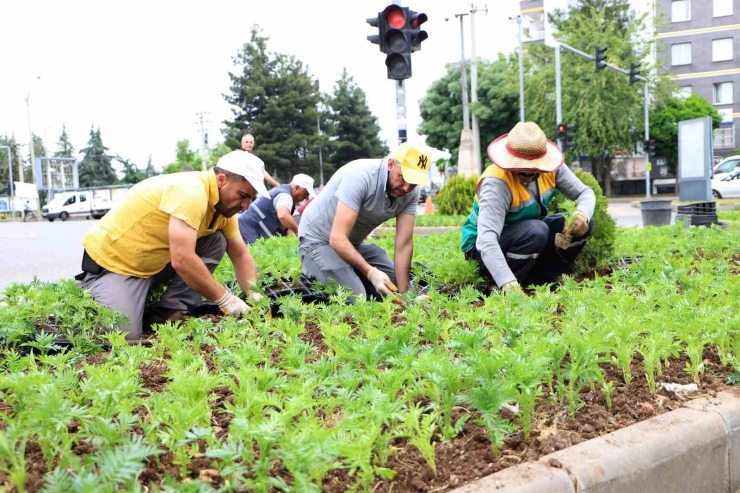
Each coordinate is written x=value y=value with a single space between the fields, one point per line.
x=366 y=396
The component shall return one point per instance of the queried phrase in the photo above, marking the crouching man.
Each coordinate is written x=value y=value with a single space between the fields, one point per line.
x=509 y=232
x=273 y=213
x=361 y=196
x=174 y=227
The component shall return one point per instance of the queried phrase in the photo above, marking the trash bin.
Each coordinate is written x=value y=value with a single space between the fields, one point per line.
x=655 y=212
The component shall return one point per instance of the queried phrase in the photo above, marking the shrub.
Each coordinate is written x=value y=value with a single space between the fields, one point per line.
x=456 y=196
x=600 y=247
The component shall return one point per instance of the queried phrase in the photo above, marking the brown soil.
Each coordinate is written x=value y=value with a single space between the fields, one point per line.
x=153 y=375
x=313 y=335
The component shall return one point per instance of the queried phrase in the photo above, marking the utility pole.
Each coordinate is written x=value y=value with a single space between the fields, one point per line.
x=521 y=71
x=321 y=158
x=202 y=116
x=30 y=132
x=474 y=88
x=465 y=159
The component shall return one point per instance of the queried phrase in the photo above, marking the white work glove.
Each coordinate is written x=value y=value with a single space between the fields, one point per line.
x=231 y=305
x=579 y=226
x=255 y=296
x=381 y=282
x=511 y=285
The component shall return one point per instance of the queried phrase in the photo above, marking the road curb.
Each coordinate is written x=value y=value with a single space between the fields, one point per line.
x=695 y=448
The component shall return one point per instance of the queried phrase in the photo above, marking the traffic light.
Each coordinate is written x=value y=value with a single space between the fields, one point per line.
x=416 y=19
x=565 y=134
x=399 y=35
x=634 y=72
x=600 y=56
x=649 y=147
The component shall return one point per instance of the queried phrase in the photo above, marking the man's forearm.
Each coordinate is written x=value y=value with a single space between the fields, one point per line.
x=245 y=270
x=288 y=221
x=196 y=275
x=402 y=265
x=349 y=254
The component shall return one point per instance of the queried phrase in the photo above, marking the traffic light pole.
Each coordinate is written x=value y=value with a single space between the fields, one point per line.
x=401 y=110
x=558 y=98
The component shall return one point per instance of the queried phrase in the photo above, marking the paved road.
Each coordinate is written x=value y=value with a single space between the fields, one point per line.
x=53 y=251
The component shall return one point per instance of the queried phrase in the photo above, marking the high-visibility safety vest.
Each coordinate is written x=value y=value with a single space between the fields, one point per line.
x=260 y=220
x=523 y=205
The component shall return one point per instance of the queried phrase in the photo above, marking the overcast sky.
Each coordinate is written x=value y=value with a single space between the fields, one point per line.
x=141 y=70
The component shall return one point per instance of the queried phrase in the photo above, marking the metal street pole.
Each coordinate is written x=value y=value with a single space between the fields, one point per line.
x=558 y=91
x=401 y=110
x=474 y=88
x=30 y=132
x=464 y=73
x=321 y=158
x=521 y=71
x=203 y=139
x=647 y=137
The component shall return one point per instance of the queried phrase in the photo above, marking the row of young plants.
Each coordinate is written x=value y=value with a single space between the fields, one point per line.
x=303 y=411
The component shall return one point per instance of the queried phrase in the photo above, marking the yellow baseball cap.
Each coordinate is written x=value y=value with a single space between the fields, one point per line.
x=415 y=162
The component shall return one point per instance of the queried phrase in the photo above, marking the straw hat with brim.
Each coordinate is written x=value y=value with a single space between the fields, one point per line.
x=525 y=149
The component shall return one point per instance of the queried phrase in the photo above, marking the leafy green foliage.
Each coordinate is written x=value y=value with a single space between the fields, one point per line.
x=353 y=126
x=497 y=107
x=254 y=398
x=96 y=168
x=456 y=196
x=664 y=120
x=599 y=248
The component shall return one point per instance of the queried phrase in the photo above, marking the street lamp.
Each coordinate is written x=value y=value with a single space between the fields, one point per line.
x=30 y=132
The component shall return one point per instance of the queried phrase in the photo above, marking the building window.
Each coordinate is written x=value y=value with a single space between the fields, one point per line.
x=685 y=91
x=680 y=10
x=722 y=49
x=724 y=137
x=681 y=54
x=722 y=8
x=723 y=93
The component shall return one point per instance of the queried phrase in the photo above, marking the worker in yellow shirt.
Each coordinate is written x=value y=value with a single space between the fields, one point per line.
x=175 y=227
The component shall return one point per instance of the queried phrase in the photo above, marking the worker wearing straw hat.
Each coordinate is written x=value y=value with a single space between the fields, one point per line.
x=509 y=232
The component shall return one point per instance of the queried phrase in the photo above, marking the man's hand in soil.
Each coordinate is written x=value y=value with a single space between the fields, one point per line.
x=381 y=281
x=231 y=305
x=510 y=286
x=579 y=226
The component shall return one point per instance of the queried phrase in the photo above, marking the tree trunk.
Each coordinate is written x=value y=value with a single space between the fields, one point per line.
x=608 y=177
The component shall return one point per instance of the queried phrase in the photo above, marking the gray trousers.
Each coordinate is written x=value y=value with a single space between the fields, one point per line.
x=128 y=294
x=323 y=263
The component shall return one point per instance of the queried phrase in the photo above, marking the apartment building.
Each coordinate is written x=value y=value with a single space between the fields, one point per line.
x=535 y=20
x=699 y=44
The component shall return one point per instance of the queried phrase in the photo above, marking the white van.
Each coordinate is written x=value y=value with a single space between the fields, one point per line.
x=725 y=167
x=70 y=204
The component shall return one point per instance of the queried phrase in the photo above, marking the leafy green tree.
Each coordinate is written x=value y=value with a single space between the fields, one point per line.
x=351 y=125
x=275 y=99
x=215 y=153
x=497 y=107
x=64 y=147
x=664 y=120
x=186 y=159
x=131 y=173
x=96 y=168
x=607 y=111
x=4 y=170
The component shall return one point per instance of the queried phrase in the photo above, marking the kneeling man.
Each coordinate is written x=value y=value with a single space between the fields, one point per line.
x=509 y=232
x=174 y=227
x=361 y=196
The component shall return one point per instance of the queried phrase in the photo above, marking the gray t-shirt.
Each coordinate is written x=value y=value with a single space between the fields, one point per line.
x=360 y=185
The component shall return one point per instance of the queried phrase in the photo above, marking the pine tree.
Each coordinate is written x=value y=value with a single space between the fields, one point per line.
x=4 y=168
x=186 y=159
x=131 y=173
x=150 y=171
x=351 y=124
x=64 y=147
x=96 y=168
x=275 y=99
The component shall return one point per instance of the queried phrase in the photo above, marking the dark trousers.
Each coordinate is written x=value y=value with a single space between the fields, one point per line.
x=529 y=249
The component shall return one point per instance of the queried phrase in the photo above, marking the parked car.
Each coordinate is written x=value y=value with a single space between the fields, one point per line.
x=69 y=204
x=728 y=186
x=726 y=166
x=423 y=193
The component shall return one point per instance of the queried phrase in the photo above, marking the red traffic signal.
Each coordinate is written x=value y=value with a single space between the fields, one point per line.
x=394 y=16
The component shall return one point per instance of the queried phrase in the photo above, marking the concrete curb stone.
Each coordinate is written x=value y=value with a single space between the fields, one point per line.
x=530 y=477
x=688 y=450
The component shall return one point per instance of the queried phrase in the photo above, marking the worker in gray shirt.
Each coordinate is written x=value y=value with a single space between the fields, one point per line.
x=361 y=196
x=509 y=232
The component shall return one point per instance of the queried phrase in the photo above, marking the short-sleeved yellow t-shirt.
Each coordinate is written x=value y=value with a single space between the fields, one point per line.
x=133 y=238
